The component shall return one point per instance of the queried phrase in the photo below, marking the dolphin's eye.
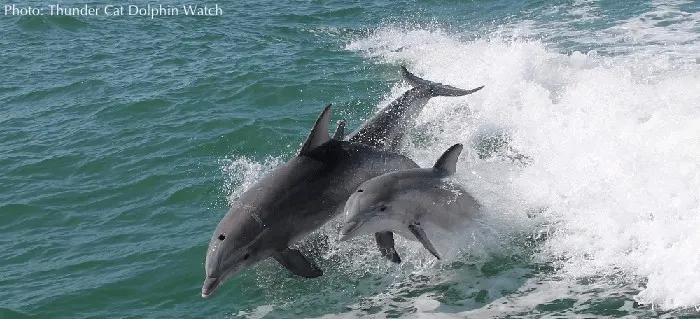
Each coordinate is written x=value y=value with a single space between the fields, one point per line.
x=246 y=256
x=222 y=237
x=383 y=208
x=360 y=191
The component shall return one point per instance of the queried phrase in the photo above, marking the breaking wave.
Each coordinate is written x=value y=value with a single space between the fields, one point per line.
x=586 y=163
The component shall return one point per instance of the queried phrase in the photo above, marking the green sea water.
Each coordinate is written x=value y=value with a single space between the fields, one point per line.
x=122 y=140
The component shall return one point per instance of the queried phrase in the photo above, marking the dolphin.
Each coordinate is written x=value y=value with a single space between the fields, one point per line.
x=304 y=193
x=404 y=201
x=339 y=131
x=386 y=130
x=292 y=201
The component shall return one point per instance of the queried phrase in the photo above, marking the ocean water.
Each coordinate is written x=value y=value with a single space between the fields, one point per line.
x=124 y=139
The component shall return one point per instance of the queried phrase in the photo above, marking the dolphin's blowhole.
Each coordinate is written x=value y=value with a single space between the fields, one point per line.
x=222 y=237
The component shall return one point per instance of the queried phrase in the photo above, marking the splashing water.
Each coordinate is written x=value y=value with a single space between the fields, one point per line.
x=614 y=144
x=611 y=174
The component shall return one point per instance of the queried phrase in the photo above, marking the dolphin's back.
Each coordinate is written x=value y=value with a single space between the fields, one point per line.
x=386 y=130
x=336 y=169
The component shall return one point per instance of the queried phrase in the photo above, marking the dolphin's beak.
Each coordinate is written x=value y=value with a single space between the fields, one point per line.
x=351 y=224
x=210 y=284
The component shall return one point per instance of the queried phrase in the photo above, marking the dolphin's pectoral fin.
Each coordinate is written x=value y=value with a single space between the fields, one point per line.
x=385 y=242
x=417 y=231
x=297 y=263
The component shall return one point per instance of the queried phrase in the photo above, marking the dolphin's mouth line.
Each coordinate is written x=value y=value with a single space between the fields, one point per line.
x=347 y=234
x=210 y=285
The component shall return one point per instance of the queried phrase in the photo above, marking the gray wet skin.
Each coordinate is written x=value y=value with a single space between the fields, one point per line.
x=404 y=201
x=388 y=128
x=301 y=195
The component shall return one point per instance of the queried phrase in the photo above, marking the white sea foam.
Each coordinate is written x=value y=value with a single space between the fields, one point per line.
x=614 y=143
x=613 y=148
x=257 y=313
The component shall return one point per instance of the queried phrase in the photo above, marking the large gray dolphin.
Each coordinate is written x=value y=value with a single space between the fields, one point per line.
x=301 y=195
x=404 y=201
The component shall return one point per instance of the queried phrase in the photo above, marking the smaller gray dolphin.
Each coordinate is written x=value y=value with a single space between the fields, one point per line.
x=407 y=199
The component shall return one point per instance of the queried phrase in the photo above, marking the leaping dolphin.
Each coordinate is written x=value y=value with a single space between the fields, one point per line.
x=301 y=195
x=292 y=201
x=386 y=130
x=404 y=201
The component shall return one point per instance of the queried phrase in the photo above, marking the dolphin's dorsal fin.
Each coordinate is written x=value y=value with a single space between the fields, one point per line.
x=447 y=163
x=339 y=131
x=319 y=133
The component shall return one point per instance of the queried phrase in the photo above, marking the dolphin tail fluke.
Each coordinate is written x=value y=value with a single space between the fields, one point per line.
x=435 y=89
